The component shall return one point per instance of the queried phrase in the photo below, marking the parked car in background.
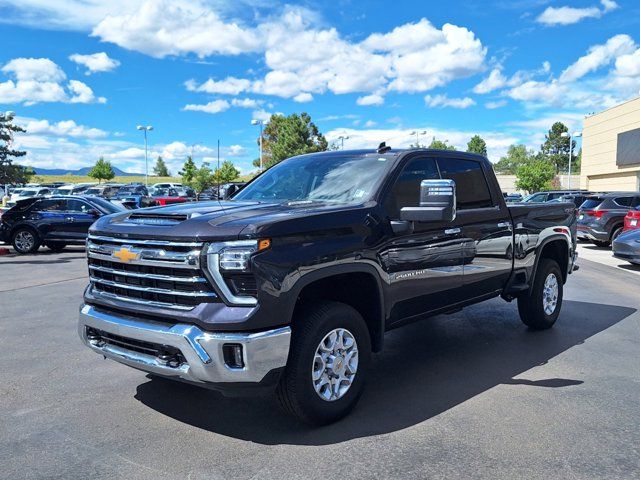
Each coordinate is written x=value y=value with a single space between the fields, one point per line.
x=227 y=190
x=134 y=196
x=28 y=193
x=168 y=196
x=75 y=189
x=541 y=197
x=55 y=221
x=601 y=217
x=576 y=198
x=165 y=185
x=512 y=197
x=104 y=191
x=632 y=219
x=627 y=246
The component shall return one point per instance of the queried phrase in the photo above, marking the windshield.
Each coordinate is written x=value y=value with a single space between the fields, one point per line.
x=339 y=179
x=107 y=206
x=93 y=191
x=62 y=191
x=27 y=193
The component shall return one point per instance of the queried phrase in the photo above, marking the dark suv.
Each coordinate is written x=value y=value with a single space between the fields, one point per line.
x=542 y=197
x=54 y=222
x=601 y=217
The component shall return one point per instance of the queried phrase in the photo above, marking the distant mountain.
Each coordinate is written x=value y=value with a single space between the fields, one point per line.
x=80 y=172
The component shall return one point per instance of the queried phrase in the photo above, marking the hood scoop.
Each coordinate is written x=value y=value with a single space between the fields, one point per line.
x=149 y=218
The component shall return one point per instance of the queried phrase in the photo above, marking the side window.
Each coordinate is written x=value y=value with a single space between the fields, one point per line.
x=406 y=189
x=624 y=201
x=50 y=206
x=78 y=206
x=472 y=190
x=636 y=202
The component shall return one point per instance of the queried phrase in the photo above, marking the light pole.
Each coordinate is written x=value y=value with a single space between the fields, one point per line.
x=417 y=134
x=342 y=138
x=261 y=123
x=146 y=129
x=571 y=137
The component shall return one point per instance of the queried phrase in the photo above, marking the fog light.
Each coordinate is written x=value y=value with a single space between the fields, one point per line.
x=232 y=353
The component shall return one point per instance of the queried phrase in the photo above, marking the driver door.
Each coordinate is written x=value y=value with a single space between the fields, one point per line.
x=425 y=265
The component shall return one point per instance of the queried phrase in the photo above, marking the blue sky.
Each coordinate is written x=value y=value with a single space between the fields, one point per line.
x=82 y=74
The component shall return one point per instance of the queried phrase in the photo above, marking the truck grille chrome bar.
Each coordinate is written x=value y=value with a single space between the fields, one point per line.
x=148 y=272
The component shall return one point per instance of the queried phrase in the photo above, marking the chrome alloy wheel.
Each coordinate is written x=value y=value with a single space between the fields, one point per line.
x=550 y=294
x=335 y=364
x=25 y=241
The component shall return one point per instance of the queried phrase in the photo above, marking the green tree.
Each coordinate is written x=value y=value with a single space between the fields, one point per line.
x=10 y=173
x=517 y=155
x=440 y=145
x=102 y=170
x=226 y=173
x=203 y=178
x=188 y=171
x=535 y=175
x=477 y=145
x=284 y=137
x=160 y=168
x=556 y=147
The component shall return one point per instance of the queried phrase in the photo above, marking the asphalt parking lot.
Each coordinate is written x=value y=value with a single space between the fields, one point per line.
x=469 y=395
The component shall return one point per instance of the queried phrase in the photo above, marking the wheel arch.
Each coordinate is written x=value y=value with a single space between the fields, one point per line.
x=357 y=285
x=556 y=247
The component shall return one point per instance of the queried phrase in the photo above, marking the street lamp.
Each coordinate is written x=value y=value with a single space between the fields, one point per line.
x=342 y=138
x=417 y=134
x=571 y=137
x=261 y=123
x=146 y=129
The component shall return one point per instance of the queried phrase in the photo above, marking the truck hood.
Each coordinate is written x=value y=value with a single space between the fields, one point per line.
x=212 y=221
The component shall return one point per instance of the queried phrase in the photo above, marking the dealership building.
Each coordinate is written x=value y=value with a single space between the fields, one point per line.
x=611 y=149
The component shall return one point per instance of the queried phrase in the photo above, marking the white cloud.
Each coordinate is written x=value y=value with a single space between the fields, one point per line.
x=370 y=123
x=494 y=81
x=261 y=115
x=571 y=15
x=214 y=106
x=228 y=86
x=178 y=27
x=64 y=128
x=236 y=150
x=599 y=56
x=444 y=101
x=96 y=62
x=246 y=102
x=495 y=104
x=373 y=99
x=303 y=97
x=41 y=80
x=628 y=65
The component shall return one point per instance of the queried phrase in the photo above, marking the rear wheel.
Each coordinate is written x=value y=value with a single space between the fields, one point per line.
x=540 y=309
x=25 y=240
x=328 y=362
x=616 y=233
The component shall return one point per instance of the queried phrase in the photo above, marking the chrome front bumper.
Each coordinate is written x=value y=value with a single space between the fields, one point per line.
x=205 y=363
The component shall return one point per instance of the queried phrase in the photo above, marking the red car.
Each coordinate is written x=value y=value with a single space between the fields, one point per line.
x=632 y=219
x=168 y=196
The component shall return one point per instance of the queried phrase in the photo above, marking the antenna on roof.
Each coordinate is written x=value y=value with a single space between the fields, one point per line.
x=383 y=148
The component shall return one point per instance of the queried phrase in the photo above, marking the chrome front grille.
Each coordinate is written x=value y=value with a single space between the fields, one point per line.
x=149 y=272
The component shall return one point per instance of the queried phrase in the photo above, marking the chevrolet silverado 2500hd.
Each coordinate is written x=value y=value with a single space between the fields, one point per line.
x=292 y=284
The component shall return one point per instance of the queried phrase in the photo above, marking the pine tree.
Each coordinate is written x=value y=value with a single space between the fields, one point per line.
x=10 y=173
x=188 y=171
x=160 y=168
x=477 y=145
x=226 y=173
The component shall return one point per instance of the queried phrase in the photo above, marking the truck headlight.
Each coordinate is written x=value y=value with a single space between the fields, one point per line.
x=227 y=258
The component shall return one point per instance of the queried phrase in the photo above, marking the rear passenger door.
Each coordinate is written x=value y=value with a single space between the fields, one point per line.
x=485 y=223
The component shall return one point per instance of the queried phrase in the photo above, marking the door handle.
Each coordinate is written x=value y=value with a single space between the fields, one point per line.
x=70 y=219
x=504 y=225
x=452 y=231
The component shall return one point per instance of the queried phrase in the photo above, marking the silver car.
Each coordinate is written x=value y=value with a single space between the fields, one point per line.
x=627 y=246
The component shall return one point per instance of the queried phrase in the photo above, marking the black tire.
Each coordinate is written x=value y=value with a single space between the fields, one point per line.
x=25 y=240
x=531 y=306
x=296 y=393
x=56 y=247
x=600 y=244
x=616 y=232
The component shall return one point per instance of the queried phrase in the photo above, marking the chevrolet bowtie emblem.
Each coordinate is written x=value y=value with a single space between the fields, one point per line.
x=125 y=255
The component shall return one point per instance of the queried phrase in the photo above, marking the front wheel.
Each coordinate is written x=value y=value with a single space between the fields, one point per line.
x=328 y=362
x=540 y=309
x=25 y=240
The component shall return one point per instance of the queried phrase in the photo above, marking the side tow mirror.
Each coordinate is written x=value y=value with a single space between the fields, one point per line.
x=437 y=203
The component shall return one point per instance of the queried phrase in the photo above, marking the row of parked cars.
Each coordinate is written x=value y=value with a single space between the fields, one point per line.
x=59 y=215
x=604 y=219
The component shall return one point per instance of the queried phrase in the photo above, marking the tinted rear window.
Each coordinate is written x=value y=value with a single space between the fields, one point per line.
x=472 y=190
x=623 y=201
x=591 y=203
